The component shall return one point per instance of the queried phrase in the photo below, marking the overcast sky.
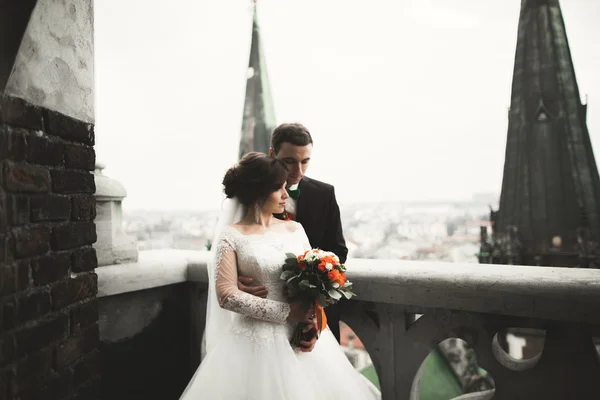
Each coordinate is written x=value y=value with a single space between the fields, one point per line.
x=406 y=99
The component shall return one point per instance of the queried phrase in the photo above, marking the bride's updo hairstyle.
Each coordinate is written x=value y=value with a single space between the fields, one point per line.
x=254 y=178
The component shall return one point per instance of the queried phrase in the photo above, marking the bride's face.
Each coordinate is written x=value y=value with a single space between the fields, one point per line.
x=275 y=203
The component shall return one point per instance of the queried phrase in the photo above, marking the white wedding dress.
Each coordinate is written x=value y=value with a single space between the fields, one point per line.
x=253 y=359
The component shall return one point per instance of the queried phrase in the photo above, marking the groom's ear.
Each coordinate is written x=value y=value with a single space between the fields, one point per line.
x=271 y=152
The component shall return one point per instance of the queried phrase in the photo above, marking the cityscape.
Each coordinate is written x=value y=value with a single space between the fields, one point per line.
x=443 y=230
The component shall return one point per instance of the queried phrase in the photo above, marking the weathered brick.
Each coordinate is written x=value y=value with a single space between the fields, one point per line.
x=50 y=207
x=8 y=314
x=89 y=391
x=86 y=369
x=33 y=338
x=15 y=277
x=80 y=157
x=34 y=369
x=84 y=316
x=84 y=259
x=7 y=350
x=17 y=208
x=50 y=268
x=3 y=250
x=30 y=306
x=42 y=150
x=22 y=177
x=75 y=289
x=66 y=181
x=7 y=384
x=12 y=144
x=58 y=387
x=18 y=112
x=4 y=384
x=3 y=215
x=77 y=346
x=31 y=241
x=75 y=234
x=68 y=128
x=83 y=208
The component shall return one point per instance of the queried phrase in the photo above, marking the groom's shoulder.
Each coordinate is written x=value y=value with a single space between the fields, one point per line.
x=319 y=185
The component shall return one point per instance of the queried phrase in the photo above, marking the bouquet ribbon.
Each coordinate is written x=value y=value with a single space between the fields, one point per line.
x=321 y=317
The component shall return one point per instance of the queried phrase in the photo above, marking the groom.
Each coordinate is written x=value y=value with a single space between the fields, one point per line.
x=311 y=203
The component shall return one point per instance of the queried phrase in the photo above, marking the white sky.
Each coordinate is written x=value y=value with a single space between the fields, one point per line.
x=406 y=99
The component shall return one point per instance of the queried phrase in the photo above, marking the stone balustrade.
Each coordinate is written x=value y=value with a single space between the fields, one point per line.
x=473 y=302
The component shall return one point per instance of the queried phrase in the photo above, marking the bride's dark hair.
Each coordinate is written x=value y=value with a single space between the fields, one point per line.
x=254 y=178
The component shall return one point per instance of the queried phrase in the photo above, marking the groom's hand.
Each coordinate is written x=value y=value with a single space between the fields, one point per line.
x=310 y=338
x=244 y=284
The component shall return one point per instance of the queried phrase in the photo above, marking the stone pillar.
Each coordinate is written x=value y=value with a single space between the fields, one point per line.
x=113 y=245
x=48 y=309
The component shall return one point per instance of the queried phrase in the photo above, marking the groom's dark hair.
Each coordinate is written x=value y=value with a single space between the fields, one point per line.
x=293 y=133
x=254 y=178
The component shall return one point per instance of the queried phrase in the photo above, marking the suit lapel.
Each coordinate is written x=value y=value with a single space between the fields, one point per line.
x=301 y=202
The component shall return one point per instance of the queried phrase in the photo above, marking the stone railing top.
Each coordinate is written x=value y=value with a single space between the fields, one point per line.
x=565 y=294
x=571 y=294
x=154 y=268
x=107 y=188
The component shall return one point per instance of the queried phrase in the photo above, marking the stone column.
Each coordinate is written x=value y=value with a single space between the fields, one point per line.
x=113 y=245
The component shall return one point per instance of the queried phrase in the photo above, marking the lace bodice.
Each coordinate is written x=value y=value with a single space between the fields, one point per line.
x=261 y=257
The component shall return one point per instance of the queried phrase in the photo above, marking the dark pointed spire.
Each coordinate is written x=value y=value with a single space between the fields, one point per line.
x=259 y=115
x=550 y=174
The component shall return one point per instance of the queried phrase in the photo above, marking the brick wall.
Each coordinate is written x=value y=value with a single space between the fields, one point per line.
x=48 y=309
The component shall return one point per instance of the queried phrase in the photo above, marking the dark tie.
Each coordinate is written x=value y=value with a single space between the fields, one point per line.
x=294 y=194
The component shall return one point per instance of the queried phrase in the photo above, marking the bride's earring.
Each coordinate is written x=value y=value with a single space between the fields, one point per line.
x=256 y=213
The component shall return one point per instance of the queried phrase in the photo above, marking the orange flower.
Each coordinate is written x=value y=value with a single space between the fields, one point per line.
x=302 y=266
x=322 y=266
x=328 y=259
x=336 y=276
x=301 y=256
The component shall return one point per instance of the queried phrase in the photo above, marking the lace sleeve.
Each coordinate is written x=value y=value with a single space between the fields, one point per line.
x=233 y=299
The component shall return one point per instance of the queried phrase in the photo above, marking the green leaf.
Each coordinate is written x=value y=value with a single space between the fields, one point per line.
x=334 y=294
x=304 y=284
x=290 y=255
x=288 y=267
x=285 y=275
x=321 y=300
x=347 y=294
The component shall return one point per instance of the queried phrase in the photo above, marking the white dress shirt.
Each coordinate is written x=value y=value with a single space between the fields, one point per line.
x=290 y=204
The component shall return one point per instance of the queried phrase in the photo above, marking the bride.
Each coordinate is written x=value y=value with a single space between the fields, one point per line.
x=249 y=355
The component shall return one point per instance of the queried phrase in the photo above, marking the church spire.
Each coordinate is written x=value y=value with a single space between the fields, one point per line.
x=550 y=174
x=259 y=116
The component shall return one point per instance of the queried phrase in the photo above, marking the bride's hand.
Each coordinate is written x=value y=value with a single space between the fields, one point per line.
x=310 y=338
x=301 y=312
x=244 y=283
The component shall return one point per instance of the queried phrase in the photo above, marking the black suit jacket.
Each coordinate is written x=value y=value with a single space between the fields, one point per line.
x=318 y=212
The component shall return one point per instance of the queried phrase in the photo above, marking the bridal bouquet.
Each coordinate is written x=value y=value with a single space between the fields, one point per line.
x=318 y=278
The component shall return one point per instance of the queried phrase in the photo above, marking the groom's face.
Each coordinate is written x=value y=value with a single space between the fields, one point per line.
x=296 y=158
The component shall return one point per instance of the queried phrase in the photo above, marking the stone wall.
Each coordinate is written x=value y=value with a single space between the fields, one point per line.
x=54 y=64
x=49 y=334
